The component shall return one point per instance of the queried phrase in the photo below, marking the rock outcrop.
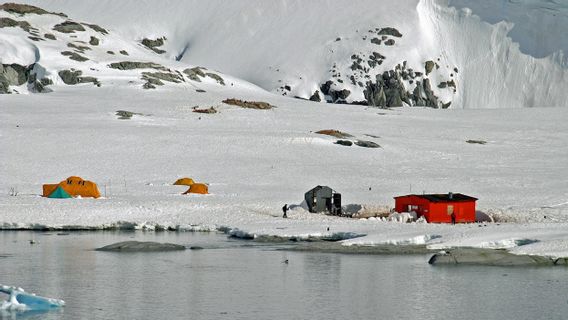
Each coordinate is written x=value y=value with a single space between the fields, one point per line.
x=141 y=246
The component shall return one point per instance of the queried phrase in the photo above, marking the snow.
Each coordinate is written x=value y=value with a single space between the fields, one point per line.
x=293 y=42
x=256 y=160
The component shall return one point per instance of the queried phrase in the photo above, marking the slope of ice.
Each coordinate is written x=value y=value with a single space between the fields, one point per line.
x=20 y=301
x=273 y=43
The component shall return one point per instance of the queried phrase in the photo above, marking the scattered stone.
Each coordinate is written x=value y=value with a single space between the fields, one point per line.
x=96 y=28
x=110 y=52
x=36 y=39
x=141 y=246
x=389 y=42
x=334 y=133
x=442 y=85
x=73 y=77
x=210 y=110
x=346 y=143
x=130 y=65
x=195 y=248
x=49 y=36
x=78 y=47
x=200 y=90
x=389 y=31
x=123 y=52
x=326 y=87
x=367 y=144
x=154 y=44
x=126 y=115
x=476 y=141
x=194 y=73
x=337 y=39
x=148 y=85
x=429 y=66
x=68 y=27
x=94 y=41
x=456 y=70
x=74 y=56
x=7 y=23
x=165 y=76
x=23 y=9
x=216 y=77
x=249 y=104
x=315 y=97
x=376 y=41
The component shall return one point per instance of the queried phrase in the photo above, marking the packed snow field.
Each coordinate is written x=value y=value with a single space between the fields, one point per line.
x=257 y=160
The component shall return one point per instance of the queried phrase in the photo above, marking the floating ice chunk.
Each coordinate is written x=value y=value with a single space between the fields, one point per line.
x=20 y=300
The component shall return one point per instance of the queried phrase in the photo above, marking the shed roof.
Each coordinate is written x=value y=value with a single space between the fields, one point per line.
x=445 y=197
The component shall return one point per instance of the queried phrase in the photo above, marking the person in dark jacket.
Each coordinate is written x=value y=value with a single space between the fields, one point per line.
x=285 y=209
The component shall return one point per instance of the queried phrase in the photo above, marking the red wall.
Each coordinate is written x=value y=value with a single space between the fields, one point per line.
x=437 y=212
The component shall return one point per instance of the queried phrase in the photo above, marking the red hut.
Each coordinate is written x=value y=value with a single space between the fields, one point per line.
x=439 y=208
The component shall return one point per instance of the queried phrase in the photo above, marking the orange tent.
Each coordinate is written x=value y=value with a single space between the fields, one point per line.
x=75 y=186
x=184 y=182
x=199 y=188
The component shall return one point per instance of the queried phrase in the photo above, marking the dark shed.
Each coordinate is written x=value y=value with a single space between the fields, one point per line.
x=322 y=199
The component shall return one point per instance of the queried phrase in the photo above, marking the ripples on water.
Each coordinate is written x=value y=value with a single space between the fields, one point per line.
x=235 y=279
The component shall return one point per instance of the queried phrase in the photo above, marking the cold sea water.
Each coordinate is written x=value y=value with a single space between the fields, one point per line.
x=238 y=279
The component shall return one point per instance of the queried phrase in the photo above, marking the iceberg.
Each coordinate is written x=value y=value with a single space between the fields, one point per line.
x=20 y=300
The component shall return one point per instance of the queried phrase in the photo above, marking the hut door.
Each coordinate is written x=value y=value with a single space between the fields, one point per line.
x=450 y=209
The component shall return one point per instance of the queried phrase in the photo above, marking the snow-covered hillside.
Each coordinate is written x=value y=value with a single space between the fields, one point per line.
x=436 y=55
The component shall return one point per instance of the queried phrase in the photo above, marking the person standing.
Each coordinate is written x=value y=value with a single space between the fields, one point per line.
x=285 y=209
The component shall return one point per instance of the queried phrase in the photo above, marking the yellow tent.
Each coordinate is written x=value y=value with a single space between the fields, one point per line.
x=199 y=188
x=75 y=186
x=184 y=182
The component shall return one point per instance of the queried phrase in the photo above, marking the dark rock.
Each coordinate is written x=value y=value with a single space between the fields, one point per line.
x=49 y=36
x=376 y=41
x=200 y=90
x=346 y=143
x=130 y=65
x=68 y=27
x=429 y=66
x=15 y=74
x=77 y=47
x=124 y=52
x=339 y=95
x=110 y=52
x=487 y=257
x=7 y=23
x=456 y=70
x=216 y=77
x=389 y=42
x=72 y=77
x=334 y=133
x=74 y=56
x=194 y=73
x=23 y=9
x=367 y=144
x=96 y=28
x=94 y=41
x=154 y=44
x=315 y=97
x=249 y=104
x=139 y=246
x=446 y=105
x=195 y=248
x=442 y=85
x=389 y=31
x=476 y=142
x=148 y=85
x=287 y=87
x=46 y=81
x=326 y=87
x=165 y=76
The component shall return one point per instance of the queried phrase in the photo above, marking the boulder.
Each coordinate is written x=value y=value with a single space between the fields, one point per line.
x=130 y=65
x=194 y=73
x=23 y=9
x=367 y=144
x=346 y=143
x=389 y=31
x=315 y=97
x=68 y=27
x=94 y=41
x=389 y=42
x=141 y=246
x=488 y=257
x=429 y=66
